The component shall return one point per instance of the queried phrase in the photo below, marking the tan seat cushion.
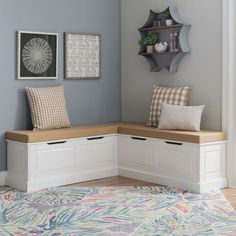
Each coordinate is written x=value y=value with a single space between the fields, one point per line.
x=132 y=129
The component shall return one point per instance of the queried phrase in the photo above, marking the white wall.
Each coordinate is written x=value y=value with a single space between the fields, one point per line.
x=232 y=164
x=201 y=70
x=232 y=66
x=229 y=86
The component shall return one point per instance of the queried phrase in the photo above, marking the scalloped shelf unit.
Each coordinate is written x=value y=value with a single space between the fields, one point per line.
x=168 y=60
x=157 y=53
x=163 y=27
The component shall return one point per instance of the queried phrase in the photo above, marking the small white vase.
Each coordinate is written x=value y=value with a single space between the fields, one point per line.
x=169 y=22
x=149 y=49
x=161 y=47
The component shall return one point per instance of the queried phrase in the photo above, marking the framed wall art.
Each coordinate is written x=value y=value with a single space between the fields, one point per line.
x=37 y=55
x=82 y=56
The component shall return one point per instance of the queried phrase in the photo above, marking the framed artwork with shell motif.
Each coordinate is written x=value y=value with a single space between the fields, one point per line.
x=37 y=55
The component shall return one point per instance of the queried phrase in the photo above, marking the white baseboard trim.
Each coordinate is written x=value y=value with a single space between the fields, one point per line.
x=3 y=175
x=59 y=180
x=231 y=186
x=213 y=185
x=165 y=180
x=126 y=172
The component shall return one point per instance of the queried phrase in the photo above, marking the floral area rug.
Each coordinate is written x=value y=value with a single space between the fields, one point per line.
x=117 y=211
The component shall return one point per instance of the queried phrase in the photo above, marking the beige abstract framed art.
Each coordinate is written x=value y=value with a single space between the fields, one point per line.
x=82 y=57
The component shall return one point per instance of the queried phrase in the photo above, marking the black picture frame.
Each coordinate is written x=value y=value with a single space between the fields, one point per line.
x=37 y=55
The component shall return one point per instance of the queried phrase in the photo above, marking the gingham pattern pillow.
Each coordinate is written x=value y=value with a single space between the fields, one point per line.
x=174 y=96
x=48 y=108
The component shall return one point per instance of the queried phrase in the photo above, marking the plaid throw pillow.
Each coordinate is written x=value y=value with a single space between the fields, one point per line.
x=48 y=108
x=174 y=96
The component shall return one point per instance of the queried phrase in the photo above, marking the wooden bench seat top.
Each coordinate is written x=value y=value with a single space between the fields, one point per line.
x=28 y=136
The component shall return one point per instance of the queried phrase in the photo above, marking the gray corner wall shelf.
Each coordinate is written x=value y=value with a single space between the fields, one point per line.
x=167 y=59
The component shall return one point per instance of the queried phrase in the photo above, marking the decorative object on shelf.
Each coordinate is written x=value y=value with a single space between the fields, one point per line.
x=174 y=46
x=169 y=22
x=176 y=42
x=149 y=41
x=161 y=47
x=37 y=55
x=82 y=56
x=150 y=49
x=157 y=23
x=171 y=43
x=176 y=34
x=168 y=18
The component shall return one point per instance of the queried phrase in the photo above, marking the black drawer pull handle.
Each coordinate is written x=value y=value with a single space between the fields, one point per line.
x=138 y=138
x=54 y=143
x=95 y=138
x=174 y=143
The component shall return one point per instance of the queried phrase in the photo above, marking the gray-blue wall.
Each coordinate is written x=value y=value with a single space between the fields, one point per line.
x=87 y=101
x=201 y=69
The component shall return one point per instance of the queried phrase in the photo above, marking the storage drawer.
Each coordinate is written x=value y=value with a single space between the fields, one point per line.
x=165 y=158
x=96 y=153
x=176 y=159
x=55 y=157
x=136 y=152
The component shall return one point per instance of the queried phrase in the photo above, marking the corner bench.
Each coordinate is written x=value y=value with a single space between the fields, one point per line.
x=190 y=160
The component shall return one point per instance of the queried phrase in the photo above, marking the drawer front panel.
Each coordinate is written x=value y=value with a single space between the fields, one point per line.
x=164 y=158
x=61 y=158
x=175 y=159
x=175 y=164
x=55 y=145
x=95 y=152
x=136 y=152
x=56 y=157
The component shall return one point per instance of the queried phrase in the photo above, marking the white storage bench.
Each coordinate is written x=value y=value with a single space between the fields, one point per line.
x=190 y=160
x=51 y=158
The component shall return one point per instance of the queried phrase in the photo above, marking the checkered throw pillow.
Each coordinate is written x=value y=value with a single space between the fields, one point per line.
x=48 y=108
x=174 y=96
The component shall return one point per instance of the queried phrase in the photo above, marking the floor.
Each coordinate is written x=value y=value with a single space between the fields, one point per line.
x=230 y=194
x=112 y=210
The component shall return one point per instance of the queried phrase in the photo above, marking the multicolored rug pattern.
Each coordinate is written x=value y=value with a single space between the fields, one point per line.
x=120 y=211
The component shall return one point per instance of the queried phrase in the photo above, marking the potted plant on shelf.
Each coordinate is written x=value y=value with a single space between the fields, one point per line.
x=149 y=41
x=168 y=18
